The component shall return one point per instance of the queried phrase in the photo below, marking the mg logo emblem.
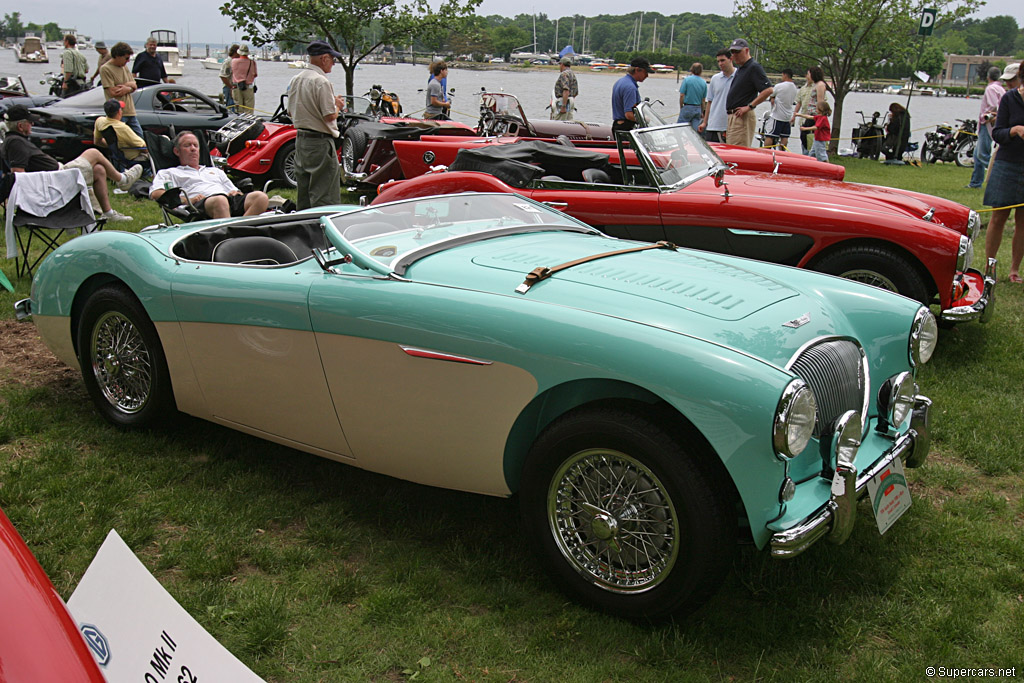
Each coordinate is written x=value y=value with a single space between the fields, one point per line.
x=97 y=642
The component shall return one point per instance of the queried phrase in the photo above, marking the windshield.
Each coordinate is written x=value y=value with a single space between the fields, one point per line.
x=501 y=104
x=649 y=117
x=399 y=233
x=676 y=154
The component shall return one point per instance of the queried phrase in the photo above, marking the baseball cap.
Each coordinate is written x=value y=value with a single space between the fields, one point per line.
x=112 y=106
x=100 y=45
x=641 y=63
x=567 y=60
x=319 y=47
x=738 y=44
x=19 y=112
x=1010 y=72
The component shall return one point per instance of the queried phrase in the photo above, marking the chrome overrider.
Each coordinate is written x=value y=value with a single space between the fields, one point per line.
x=835 y=519
x=982 y=309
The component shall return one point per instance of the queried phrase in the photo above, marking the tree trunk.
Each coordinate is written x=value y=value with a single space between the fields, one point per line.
x=350 y=78
x=837 y=121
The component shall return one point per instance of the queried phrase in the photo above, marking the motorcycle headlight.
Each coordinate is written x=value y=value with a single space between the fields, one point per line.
x=924 y=334
x=795 y=417
x=896 y=399
x=965 y=255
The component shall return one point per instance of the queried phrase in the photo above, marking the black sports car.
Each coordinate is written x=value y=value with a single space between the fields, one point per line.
x=65 y=127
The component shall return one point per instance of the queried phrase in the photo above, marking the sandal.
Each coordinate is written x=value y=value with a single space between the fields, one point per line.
x=1014 y=277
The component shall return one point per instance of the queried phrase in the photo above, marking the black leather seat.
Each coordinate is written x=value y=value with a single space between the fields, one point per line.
x=253 y=250
x=596 y=175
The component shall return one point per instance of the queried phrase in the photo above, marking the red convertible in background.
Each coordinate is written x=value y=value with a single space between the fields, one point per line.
x=377 y=149
x=666 y=183
x=39 y=640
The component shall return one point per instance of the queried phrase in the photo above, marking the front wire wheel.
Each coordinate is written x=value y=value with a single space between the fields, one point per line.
x=613 y=520
x=624 y=517
x=121 y=362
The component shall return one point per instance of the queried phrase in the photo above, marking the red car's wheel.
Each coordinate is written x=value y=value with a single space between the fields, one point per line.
x=876 y=266
x=284 y=164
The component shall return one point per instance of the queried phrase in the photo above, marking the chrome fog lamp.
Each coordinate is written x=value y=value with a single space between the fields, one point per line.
x=924 y=335
x=795 y=417
x=787 y=491
x=965 y=255
x=896 y=400
x=846 y=438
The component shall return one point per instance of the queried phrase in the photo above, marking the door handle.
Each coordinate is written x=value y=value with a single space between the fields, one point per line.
x=561 y=206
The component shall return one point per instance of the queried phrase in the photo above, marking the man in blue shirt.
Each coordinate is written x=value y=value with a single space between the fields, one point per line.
x=626 y=94
x=691 y=97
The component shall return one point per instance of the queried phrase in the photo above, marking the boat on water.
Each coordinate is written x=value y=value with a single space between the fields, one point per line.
x=663 y=68
x=298 y=64
x=167 y=51
x=212 y=63
x=31 y=51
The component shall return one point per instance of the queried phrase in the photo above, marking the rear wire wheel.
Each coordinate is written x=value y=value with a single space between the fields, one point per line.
x=623 y=517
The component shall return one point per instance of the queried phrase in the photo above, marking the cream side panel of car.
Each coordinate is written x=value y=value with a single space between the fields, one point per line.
x=55 y=331
x=436 y=422
x=268 y=379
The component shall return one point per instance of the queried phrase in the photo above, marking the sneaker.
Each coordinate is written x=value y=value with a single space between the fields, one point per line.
x=129 y=177
x=114 y=216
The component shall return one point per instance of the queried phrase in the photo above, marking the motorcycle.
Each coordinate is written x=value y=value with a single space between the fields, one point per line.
x=869 y=135
x=946 y=143
x=382 y=102
x=55 y=82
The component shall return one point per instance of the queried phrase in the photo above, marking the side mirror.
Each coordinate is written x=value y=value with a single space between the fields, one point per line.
x=720 y=177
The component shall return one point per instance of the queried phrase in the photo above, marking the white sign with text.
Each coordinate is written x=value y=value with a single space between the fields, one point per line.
x=138 y=632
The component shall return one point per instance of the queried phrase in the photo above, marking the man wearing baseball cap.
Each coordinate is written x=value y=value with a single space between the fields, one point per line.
x=750 y=87
x=626 y=94
x=131 y=145
x=22 y=156
x=565 y=87
x=314 y=110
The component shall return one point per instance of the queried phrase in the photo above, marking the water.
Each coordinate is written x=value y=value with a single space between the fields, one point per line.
x=532 y=88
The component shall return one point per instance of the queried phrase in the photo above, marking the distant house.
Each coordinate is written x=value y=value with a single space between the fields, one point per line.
x=960 y=69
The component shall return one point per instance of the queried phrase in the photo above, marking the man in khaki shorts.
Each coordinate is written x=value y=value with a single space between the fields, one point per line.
x=750 y=87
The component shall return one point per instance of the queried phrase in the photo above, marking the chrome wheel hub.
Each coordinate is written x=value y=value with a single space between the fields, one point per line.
x=613 y=521
x=120 y=362
x=870 y=277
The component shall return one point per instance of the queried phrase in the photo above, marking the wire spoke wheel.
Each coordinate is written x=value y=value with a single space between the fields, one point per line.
x=613 y=520
x=121 y=362
x=870 y=277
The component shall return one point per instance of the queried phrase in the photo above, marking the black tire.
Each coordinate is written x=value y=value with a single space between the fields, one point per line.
x=876 y=266
x=353 y=147
x=284 y=164
x=965 y=153
x=575 y=530
x=927 y=154
x=122 y=361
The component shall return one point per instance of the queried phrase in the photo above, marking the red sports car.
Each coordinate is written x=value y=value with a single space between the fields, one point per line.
x=666 y=183
x=39 y=640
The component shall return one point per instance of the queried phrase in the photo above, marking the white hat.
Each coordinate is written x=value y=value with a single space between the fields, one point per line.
x=1010 y=72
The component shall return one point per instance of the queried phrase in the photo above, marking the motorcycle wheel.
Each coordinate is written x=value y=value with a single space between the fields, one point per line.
x=927 y=154
x=965 y=153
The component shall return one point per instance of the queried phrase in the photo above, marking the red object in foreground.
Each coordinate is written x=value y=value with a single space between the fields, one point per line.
x=39 y=640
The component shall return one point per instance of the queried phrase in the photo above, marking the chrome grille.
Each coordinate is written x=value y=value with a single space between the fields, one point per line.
x=836 y=372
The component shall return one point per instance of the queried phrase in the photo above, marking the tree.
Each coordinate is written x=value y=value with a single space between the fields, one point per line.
x=931 y=61
x=847 y=38
x=505 y=39
x=344 y=24
x=12 y=26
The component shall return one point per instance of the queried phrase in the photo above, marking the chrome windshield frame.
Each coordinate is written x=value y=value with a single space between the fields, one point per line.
x=646 y=161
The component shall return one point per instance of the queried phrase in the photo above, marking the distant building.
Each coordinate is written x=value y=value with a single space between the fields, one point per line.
x=960 y=69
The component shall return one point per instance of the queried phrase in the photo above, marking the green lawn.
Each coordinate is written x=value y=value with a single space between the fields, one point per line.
x=312 y=571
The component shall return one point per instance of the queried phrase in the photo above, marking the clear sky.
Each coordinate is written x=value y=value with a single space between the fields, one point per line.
x=201 y=21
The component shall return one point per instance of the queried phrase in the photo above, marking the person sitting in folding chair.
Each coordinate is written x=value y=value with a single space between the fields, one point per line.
x=21 y=155
x=207 y=188
x=130 y=145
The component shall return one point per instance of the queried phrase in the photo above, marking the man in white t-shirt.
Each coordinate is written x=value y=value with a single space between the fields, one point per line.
x=783 y=106
x=208 y=188
x=716 y=120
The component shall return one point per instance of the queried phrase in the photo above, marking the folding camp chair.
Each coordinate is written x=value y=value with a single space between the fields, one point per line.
x=115 y=153
x=44 y=207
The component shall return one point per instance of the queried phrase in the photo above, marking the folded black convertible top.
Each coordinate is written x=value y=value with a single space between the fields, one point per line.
x=521 y=162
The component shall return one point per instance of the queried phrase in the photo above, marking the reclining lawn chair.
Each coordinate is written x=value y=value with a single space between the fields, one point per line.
x=174 y=203
x=115 y=153
x=44 y=206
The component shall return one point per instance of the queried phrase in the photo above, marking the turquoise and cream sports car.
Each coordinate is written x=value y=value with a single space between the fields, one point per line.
x=651 y=406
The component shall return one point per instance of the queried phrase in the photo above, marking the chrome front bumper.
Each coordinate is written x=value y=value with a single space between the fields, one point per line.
x=980 y=310
x=23 y=308
x=835 y=519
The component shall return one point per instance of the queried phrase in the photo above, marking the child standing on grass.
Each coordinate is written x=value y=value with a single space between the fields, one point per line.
x=822 y=131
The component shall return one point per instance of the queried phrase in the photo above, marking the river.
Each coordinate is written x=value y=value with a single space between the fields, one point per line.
x=533 y=88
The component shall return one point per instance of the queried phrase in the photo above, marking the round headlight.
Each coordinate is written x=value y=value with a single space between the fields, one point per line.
x=794 y=420
x=896 y=398
x=924 y=335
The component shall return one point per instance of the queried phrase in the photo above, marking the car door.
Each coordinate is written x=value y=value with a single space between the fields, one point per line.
x=248 y=334
x=629 y=212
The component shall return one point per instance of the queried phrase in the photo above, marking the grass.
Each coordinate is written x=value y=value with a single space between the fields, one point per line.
x=312 y=571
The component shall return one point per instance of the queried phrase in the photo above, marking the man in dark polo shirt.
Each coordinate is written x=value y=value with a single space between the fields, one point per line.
x=148 y=67
x=750 y=87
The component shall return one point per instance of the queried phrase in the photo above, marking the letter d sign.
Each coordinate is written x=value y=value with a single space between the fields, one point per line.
x=927 y=21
